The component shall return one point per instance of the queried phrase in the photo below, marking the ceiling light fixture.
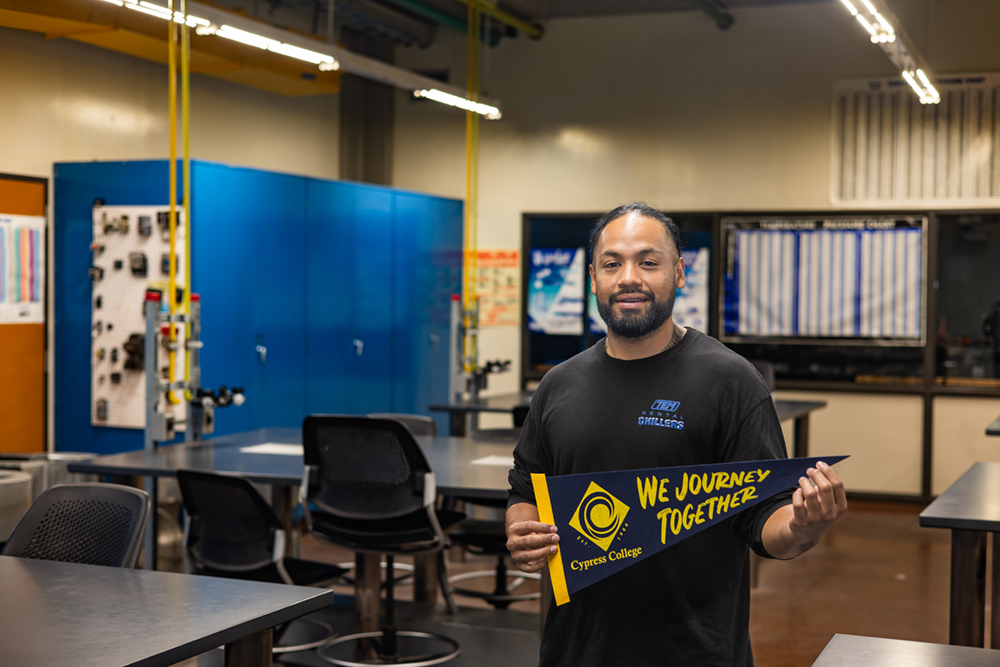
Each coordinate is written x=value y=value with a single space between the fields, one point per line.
x=491 y=112
x=885 y=30
x=327 y=57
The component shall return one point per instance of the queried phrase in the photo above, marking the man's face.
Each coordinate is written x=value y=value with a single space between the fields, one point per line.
x=635 y=275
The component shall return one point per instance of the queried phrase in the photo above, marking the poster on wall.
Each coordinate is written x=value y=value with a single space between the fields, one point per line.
x=22 y=269
x=691 y=303
x=555 y=290
x=499 y=287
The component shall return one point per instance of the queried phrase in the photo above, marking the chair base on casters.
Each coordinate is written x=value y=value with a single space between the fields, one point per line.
x=416 y=661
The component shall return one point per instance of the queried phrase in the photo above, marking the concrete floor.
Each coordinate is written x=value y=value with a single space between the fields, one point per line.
x=875 y=573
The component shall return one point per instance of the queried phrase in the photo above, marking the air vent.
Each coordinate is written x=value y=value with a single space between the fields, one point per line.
x=888 y=149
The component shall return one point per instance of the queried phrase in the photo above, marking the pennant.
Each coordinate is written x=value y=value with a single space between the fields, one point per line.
x=610 y=520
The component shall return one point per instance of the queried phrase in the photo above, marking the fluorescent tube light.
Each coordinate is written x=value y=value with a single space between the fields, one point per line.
x=301 y=54
x=866 y=24
x=870 y=6
x=847 y=3
x=119 y=3
x=245 y=37
x=913 y=84
x=490 y=112
x=931 y=90
x=885 y=24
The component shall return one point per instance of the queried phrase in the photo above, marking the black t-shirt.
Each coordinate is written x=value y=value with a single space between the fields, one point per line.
x=689 y=604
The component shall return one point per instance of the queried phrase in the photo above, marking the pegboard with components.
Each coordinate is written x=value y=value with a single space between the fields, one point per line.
x=131 y=254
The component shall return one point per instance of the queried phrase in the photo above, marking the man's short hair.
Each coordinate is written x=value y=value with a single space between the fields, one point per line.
x=643 y=209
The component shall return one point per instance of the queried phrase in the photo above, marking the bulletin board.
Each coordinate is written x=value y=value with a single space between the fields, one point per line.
x=23 y=262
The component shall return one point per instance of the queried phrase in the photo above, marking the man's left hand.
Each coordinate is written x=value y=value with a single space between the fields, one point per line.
x=816 y=504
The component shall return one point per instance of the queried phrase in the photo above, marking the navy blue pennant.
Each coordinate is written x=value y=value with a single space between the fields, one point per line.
x=608 y=521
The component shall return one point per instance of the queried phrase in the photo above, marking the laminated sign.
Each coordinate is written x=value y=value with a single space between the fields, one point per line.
x=610 y=520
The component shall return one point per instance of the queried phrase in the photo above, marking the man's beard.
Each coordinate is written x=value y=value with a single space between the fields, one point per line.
x=638 y=323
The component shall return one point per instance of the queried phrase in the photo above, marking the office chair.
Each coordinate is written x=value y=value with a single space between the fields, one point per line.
x=488 y=537
x=374 y=493
x=94 y=524
x=231 y=531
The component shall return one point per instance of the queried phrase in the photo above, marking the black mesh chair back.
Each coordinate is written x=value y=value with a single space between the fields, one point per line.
x=231 y=526
x=95 y=524
x=418 y=424
x=363 y=468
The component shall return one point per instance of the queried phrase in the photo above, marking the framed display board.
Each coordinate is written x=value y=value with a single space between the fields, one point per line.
x=838 y=279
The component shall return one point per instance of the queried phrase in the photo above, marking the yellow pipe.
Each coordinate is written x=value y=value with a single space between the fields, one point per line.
x=490 y=9
x=185 y=125
x=172 y=282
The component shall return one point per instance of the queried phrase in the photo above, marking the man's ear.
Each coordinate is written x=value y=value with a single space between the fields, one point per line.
x=679 y=272
x=593 y=287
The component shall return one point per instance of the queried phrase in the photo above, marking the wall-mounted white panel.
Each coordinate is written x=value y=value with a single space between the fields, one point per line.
x=882 y=433
x=960 y=437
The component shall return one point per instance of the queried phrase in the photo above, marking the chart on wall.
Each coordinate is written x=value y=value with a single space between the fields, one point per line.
x=555 y=290
x=131 y=254
x=22 y=269
x=499 y=287
x=843 y=278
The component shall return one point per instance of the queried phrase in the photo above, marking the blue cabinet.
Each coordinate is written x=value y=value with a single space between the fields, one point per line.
x=346 y=286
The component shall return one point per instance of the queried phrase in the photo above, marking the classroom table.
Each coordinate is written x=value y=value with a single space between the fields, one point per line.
x=994 y=428
x=506 y=403
x=54 y=614
x=970 y=508
x=451 y=460
x=854 y=651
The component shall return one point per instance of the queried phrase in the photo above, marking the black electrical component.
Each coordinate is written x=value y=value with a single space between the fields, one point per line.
x=165 y=264
x=116 y=378
x=114 y=355
x=138 y=264
x=96 y=273
x=110 y=326
x=118 y=265
x=98 y=302
x=135 y=349
x=102 y=409
x=145 y=226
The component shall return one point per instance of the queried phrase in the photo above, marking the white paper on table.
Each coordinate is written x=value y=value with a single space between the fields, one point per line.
x=495 y=460
x=273 y=448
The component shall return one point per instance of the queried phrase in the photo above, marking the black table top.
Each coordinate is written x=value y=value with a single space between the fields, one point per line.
x=499 y=403
x=507 y=403
x=451 y=459
x=994 y=428
x=56 y=614
x=971 y=503
x=854 y=651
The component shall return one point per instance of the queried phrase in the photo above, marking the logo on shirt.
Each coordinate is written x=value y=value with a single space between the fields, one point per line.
x=599 y=516
x=663 y=414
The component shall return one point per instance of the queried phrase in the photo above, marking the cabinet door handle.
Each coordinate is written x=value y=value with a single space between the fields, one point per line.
x=262 y=354
x=359 y=347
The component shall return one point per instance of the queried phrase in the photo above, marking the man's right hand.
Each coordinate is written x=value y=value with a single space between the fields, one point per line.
x=529 y=541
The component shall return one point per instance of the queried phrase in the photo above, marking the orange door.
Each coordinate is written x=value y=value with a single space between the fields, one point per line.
x=22 y=346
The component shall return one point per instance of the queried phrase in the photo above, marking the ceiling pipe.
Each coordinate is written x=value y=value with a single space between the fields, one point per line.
x=723 y=19
x=490 y=9
x=441 y=17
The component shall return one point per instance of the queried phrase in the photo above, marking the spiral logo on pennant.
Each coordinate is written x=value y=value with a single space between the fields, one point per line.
x=599 y=516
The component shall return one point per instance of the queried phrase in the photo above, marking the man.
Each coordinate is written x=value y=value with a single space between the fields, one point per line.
x=689 y=604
